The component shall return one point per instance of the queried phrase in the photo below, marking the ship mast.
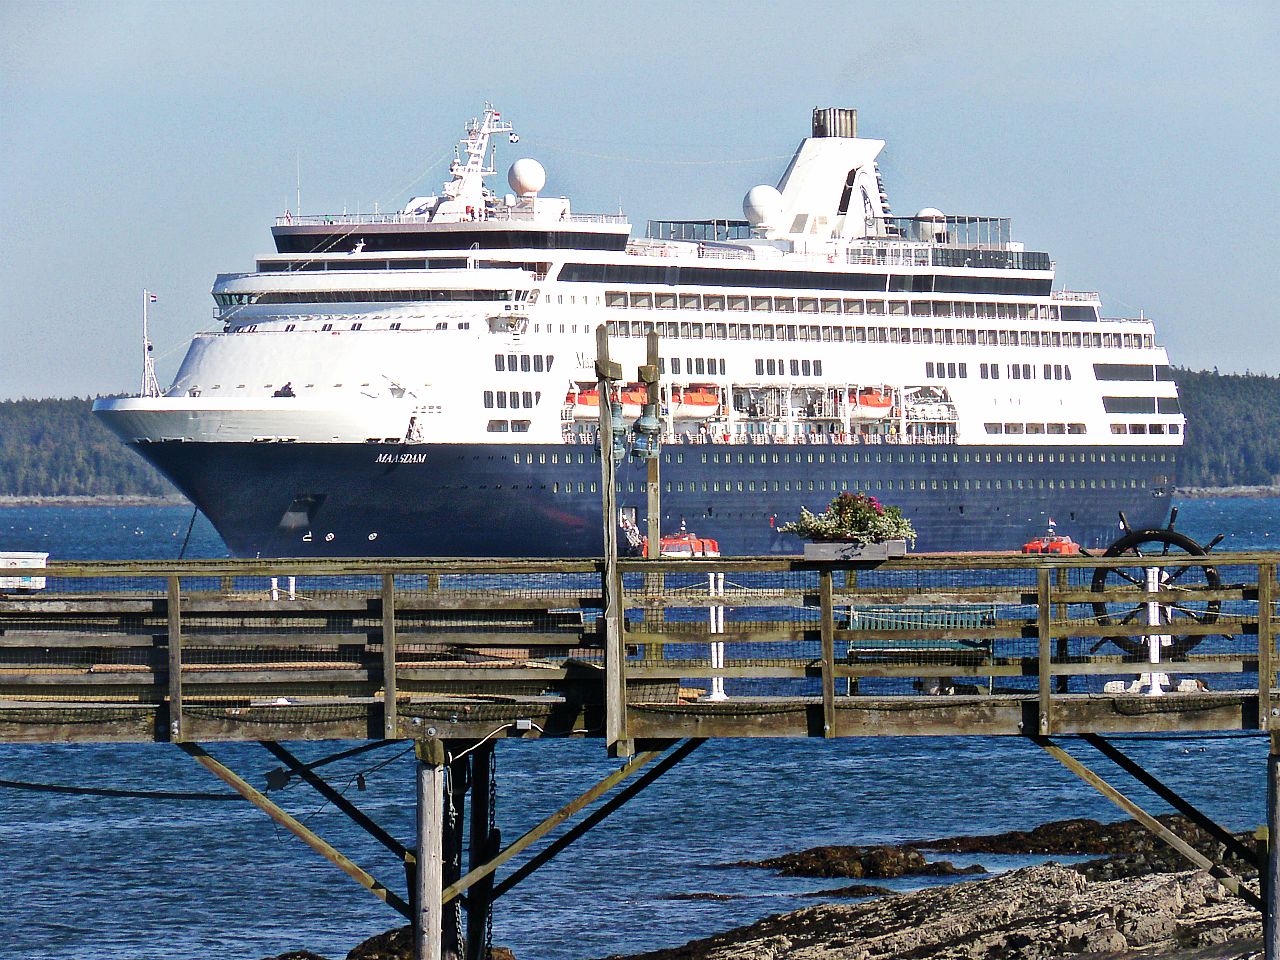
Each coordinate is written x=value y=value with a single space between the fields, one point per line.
x=465 y=194
x=150 y=387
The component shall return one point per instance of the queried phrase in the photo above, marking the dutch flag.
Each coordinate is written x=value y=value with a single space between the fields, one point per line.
x=151 y=297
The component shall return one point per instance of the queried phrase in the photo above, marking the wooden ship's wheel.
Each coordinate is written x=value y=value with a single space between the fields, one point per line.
x=1190 y=583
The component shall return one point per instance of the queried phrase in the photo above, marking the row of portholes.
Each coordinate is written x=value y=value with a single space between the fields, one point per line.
x=330 y=537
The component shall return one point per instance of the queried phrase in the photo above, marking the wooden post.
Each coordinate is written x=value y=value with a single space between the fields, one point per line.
x=1062 y=646
x=390 y=716
x=428 y=920
x=607 y=371
x=177 y=730
x=828 y=654
x=1271 y=876
x=484 y=844
x=1044 y=631
x=1266 y=643
x=653 y=480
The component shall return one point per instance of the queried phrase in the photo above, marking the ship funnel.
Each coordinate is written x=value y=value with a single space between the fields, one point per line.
x=835 y=122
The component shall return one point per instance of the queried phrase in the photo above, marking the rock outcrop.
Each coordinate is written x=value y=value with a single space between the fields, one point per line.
x=1032 y=914
x=879 y=862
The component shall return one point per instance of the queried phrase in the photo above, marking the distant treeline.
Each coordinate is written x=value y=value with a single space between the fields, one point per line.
x=1233 y=428
x=58 y=448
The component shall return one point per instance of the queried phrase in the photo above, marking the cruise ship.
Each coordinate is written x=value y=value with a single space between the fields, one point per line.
x=423 y=383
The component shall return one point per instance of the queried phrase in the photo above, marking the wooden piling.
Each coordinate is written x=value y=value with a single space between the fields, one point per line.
x=428 y=920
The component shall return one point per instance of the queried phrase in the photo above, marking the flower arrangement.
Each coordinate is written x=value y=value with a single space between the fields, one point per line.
x=853 y=518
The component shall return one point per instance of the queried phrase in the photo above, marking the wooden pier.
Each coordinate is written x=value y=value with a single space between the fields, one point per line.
x=651 y=657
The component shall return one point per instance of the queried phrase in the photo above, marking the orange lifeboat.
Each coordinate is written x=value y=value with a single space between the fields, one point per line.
x=869 y=404
x=585 y=400
x=1052 y=544
x=695 y=402
x=684 y=546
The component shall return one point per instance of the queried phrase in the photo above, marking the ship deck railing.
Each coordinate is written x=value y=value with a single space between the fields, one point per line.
x=500 y=214
x=299 y=649
x=804 y=439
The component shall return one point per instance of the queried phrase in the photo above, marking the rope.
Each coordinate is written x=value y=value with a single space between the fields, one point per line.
x=187 y=539
x=110 y=792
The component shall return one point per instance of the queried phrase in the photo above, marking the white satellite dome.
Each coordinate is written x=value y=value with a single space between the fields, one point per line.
x=930 y=213
x=762 y=205
x=526 y=177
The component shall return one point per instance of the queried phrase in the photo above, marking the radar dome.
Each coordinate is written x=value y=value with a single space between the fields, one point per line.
x=527 y=177
x=762 y=205
x=930 y=213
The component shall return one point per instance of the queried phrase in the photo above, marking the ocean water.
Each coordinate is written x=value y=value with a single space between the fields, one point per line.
x=126 y=879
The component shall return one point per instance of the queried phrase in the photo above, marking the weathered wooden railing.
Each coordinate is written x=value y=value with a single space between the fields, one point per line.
x=210 y=650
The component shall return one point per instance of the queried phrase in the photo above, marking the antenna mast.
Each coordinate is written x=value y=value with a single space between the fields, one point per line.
x=150 y=387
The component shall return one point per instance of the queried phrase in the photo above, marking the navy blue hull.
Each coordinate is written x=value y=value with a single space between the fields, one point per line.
x=530 y=500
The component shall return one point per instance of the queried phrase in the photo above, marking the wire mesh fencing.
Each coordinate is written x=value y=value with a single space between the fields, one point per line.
x=261 y=634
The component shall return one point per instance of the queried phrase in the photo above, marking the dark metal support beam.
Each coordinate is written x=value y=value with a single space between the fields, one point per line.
x=1224 y=876
x=607 y=808
x=634 y=765
x=457 y=781
x=286 y=820
x=484 y=844
x=278 y=778
x=1271 y=873
x=338 y=800
x=1165 y=793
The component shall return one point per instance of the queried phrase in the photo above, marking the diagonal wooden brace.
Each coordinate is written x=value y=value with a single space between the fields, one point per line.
x=296 y=827
x=1224 y=876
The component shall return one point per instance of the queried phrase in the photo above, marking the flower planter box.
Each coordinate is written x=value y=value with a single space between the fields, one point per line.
x=844 y=550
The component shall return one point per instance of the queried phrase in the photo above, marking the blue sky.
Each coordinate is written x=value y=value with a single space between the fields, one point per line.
x=150 y=144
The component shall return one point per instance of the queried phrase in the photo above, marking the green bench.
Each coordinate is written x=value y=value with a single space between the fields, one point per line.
x=905 y=649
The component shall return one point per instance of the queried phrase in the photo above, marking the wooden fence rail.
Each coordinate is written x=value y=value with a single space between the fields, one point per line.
x=222 y=649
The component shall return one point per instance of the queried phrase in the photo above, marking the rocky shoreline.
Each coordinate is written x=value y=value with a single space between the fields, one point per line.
x=96 y=500
x=1208 y=493
x=1133 y=900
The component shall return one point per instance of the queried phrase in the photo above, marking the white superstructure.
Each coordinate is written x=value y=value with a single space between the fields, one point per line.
x=468 y=318
x=392 y=343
